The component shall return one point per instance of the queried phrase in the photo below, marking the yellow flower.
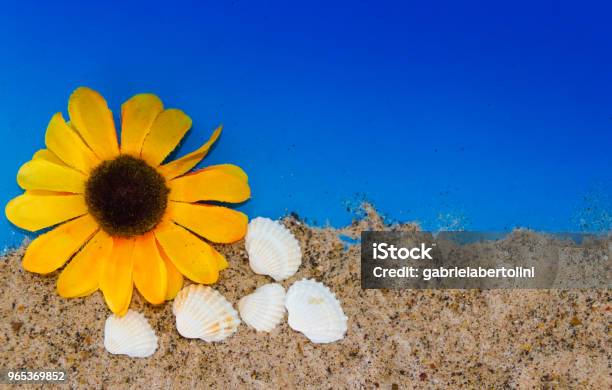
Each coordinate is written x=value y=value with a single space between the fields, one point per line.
x=126 y=218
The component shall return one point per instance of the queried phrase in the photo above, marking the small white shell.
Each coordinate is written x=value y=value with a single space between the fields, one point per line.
x=314 y=310
x=272 y=249
x=203 y=313
x=264 y=309
x=129 y=335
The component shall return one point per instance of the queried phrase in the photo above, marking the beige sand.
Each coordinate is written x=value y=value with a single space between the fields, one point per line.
x=396 y=339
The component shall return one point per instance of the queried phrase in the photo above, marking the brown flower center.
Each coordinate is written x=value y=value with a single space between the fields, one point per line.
x=126 y=196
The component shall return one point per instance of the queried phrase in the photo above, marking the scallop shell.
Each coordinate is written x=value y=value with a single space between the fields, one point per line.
x=264 y=309
x=314 y=310
x=272 y=249
x=203 y=313
x=129 y=335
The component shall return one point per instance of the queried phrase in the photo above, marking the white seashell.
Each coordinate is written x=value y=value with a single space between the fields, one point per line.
x=272 y=249
x=264 y=309
x=203 y=313
x=314 y=310
x=129 y=335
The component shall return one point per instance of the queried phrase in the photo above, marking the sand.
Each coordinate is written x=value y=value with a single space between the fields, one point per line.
x=396 y=339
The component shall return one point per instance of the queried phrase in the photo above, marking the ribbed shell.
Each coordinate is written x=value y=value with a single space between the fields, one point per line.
x=272 y=249
x=129 y=335
x=314 y=310
x=264 y=309
x=203 y=313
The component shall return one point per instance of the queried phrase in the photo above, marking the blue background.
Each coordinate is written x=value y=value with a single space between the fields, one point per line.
x=456 y=114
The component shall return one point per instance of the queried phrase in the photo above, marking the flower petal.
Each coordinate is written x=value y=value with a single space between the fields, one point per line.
x=137 y=116
x=51 y=250
x=184 y=164
x=35 y=210
x=116 y=276
x=91 y=117
x=41 y=174
x=150 y=276
x=221 y=261
x=175 y=278
x=47 y=155
x=224 y=183
x=230 y=169
x=166 y=132
x=192 y=257
x=66 y=144
x=215 y=223
x=81 y=275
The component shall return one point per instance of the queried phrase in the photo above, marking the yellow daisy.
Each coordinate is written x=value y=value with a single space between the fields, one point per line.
x=126 y=218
